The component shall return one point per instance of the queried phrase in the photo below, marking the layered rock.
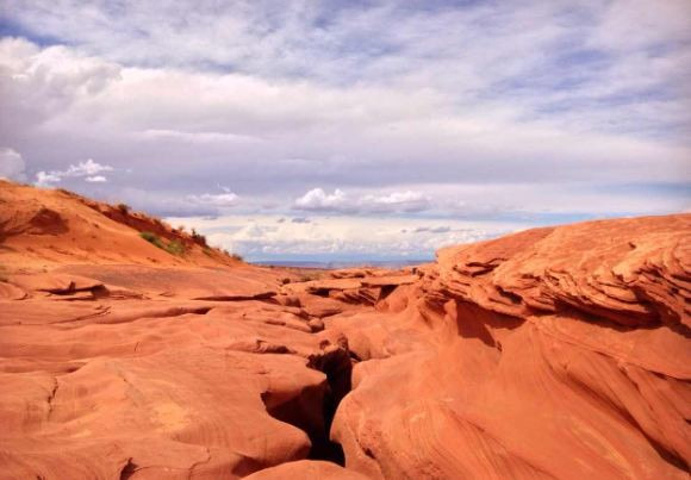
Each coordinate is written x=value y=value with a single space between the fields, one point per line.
x=157 y=387
x=551 y=353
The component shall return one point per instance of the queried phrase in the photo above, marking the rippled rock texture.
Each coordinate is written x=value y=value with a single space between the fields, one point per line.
x=558 y=353
x=552 y=353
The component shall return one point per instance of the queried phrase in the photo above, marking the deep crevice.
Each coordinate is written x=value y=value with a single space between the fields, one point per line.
x=385 y=291
x=128 y=470
x=321 y=292
x=314 y=408
x=338 y=368
x=240 y=297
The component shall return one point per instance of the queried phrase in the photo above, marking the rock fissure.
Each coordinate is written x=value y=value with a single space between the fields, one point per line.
x=313 y=408
x=551 y=353
x=51 y=396
x=128 y=470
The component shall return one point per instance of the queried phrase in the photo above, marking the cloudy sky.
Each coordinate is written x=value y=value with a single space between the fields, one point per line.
x=352 y=129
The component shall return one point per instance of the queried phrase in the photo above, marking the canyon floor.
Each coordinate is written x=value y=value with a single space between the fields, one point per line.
x=553 y=353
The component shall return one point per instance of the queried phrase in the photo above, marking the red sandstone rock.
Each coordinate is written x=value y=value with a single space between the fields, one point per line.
x=44 y=228
x=529 y=360
x=306 y=470
x=552 y=353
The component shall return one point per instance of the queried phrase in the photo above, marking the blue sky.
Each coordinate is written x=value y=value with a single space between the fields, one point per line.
x=452 y=120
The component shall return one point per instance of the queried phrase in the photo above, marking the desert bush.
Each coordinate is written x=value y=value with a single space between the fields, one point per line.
x=124 y=208
x=308 y=277
x=152 y=238
x=176 y=247
x=234 y=256
x=65 y=192
x=198 y=238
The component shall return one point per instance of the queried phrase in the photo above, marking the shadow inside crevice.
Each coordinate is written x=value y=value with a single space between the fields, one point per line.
x=314 y=408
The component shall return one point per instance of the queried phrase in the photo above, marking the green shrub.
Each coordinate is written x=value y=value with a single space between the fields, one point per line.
x=176 y=247
x=198 y=238
x=308 y=277
x=152 y=238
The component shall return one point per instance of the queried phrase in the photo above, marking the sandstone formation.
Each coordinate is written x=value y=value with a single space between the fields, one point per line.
x=48 y=227
x=551 y=353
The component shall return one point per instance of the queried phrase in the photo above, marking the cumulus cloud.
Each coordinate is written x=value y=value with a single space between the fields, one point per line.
x=407 y=201
x=38 y=84
x=409 y=107
x=88 y=170
x=318 y=200
x=261 y=238
x=96 y=179
x=242 y=125
x=12 y=165
x=44 y=179
x=227 y=199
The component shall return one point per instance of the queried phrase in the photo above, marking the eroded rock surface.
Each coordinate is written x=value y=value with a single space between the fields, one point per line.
x=552 y=353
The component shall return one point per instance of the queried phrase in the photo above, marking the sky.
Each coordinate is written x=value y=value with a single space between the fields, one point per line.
x=352 y=130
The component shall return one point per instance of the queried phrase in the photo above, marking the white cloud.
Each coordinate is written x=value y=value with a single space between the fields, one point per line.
x=407 y=201
x=12 y=165
x=227 y=199
x=38 y=84
x=235 y=124
x=262 y=237
x=232 y=123
x=46 y=179
x=88 y=169
x=96 y=179
x=531 y=202
x=317 y=200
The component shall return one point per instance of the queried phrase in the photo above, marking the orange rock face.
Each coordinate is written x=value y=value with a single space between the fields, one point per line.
x=44 y=228
x=552 y=353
